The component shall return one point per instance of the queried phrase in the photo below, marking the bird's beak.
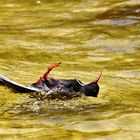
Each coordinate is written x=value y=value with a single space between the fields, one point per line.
x=97 y=78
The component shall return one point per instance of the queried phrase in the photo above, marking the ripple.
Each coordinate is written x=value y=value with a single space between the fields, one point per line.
x=128 y=73
x=119 y=22
x=119 y=136
x=129 y=122
x=14 y=131
x=117 y=46
x=9 y=5
x=120 y=123
x=95 y=10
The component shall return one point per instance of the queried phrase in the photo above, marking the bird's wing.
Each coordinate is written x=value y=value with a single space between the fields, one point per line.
x=15 y=86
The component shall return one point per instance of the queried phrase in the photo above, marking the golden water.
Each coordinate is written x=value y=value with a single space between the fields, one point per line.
x=89 y=37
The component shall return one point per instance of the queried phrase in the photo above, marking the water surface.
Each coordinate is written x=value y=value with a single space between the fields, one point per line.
x=89 y=37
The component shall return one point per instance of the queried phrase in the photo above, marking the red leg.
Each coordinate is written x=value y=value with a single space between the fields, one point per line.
x=45 y=75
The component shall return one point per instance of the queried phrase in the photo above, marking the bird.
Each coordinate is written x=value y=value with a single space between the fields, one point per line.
x=50 y=86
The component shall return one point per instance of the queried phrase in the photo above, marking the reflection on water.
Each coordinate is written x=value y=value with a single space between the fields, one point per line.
x=89 y=37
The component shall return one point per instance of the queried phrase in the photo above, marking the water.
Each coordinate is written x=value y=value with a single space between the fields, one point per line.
x=89 y=37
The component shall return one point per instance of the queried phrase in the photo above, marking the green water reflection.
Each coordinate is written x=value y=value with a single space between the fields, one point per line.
x=89 y=37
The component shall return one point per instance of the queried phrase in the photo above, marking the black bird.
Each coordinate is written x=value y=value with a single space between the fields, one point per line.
x=49 y=86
